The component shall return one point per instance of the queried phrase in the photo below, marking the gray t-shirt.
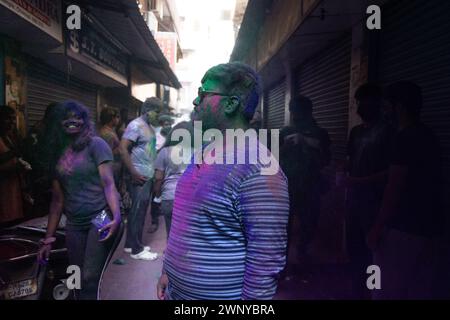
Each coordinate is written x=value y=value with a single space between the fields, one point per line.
x=143 y=152
x=78 y=174
x=172 y=171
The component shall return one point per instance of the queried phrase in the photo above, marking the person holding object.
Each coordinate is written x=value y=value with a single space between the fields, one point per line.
x=82 y=187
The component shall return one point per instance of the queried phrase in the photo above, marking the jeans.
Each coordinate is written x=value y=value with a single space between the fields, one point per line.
x=84 y=250
x=140 y=195
x=166 y=210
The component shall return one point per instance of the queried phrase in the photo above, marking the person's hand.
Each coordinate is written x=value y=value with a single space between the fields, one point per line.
x=44 y=254
x=373 y=237
x=139 y=179
x=162 y=286
x=111 y=227
x=25 y=165
x=28 y=198
x=292 y=139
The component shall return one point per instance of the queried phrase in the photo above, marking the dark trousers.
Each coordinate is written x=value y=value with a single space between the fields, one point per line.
x=84 y=250
x=304 y=212
x=304 y=206
x=360 y=257
x=166 y=210
x=140 y=195
x=155 y=213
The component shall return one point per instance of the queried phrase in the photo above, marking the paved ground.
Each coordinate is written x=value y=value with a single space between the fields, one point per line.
x=136 y=280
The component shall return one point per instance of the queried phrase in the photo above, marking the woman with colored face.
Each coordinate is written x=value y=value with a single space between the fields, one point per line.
x=83 y=188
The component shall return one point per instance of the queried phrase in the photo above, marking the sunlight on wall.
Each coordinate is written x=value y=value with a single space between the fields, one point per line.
x=207 y=39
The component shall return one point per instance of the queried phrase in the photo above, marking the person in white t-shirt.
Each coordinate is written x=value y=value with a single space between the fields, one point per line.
x=168 y=171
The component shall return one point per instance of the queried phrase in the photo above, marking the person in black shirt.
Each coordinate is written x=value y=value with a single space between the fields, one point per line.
x=411 y=216
x=368 y=160
x=304 y=151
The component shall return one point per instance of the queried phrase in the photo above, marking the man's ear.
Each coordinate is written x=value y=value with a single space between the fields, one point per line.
x=232 y=105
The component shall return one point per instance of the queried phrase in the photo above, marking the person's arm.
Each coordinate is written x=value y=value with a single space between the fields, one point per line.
x=283 y=133
x=125 y=144
x=160 y=168
x=161 y=286
x=113 y=142
x=361 y=181
x=112 y=197
x=116 y=149
x=159 y=178
x=56 y=208
x=263 y=201
x=397 y=181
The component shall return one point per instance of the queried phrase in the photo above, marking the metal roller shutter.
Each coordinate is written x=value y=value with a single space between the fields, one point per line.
x=415 y=45
x=325 y=80
x=47 y=85
x=274 y=106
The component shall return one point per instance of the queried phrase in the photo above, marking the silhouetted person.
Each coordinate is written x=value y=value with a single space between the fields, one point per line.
x=36 y=152
x=168 y=172
x=304 y=151
x=411 y=216
x=369 y=149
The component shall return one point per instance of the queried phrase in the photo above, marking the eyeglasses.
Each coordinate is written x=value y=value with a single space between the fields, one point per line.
x=203 y=93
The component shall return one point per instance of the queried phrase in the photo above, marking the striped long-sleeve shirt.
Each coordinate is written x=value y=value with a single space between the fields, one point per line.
x=228 y=234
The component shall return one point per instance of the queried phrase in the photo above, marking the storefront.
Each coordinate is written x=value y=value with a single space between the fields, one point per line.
x=274 y=106
x=47 y=85
x=325 y=79
x=43 y=62
x=414 y=45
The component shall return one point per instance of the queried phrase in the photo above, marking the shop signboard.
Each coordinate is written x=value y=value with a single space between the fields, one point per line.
x=44 y=14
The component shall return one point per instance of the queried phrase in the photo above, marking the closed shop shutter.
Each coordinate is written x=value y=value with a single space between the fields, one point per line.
x=47 y=85
x=325 y=79
x=274 y=106
x=415 y=45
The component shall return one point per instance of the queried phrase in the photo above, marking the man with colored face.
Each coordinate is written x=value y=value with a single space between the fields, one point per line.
x=228 y=233
x=140 y=139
